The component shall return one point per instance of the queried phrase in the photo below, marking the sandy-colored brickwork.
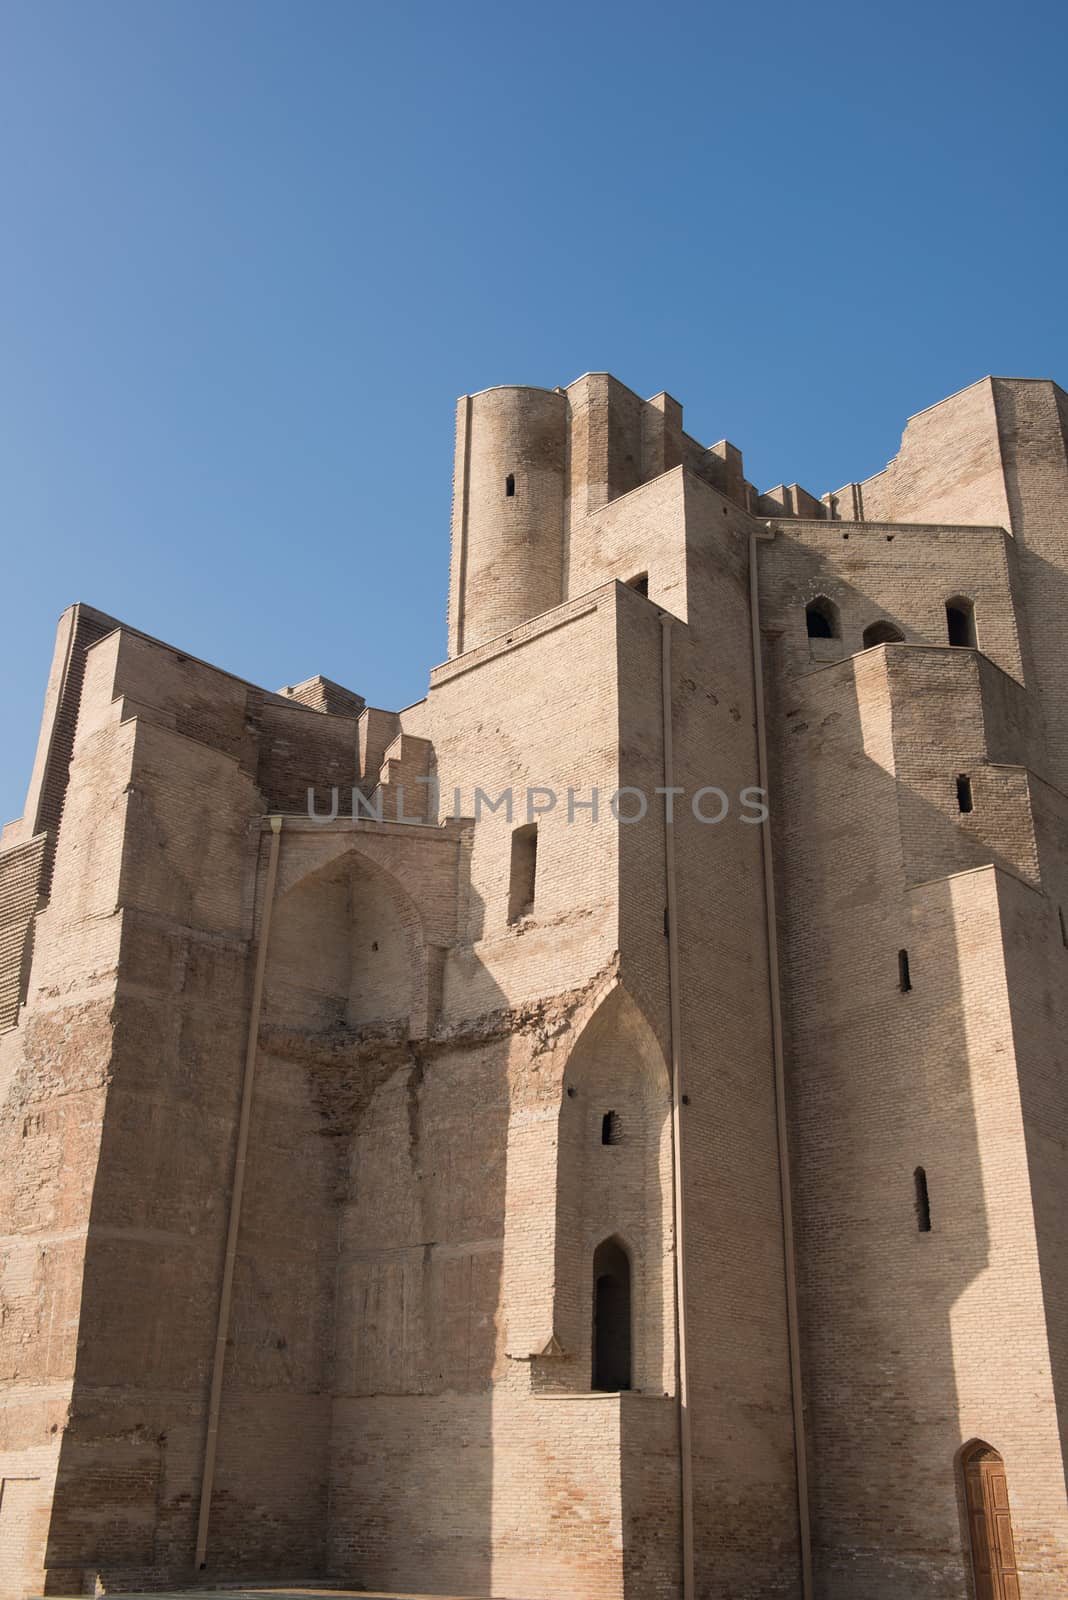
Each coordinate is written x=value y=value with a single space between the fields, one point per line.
x=350 y=1164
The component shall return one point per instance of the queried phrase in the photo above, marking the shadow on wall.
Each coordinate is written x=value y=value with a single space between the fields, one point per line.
x=361 y=1339
x=356 y=1434
x=900 y=1300
x=414 y=1246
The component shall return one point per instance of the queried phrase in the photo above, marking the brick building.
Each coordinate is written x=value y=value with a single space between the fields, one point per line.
x=609 y=1198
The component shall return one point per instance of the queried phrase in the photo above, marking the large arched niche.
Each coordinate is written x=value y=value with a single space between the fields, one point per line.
x=346 y=951
x=614 y=1182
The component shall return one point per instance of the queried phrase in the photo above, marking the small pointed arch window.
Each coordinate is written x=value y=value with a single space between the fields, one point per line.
x=821 y=618
x=611 y=1317
x=882 y=633
x=960 y=622
x=640 y=584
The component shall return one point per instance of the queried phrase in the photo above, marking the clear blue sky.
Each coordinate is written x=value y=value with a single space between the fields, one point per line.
x=252 y=252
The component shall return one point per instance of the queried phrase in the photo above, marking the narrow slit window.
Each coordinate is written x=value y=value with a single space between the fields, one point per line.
x=904 y=977
x=923 y=1201
x=821 y=618
x=523 y=872
x=1064 y=926
x=964 y=792
x=610 y=1128
x=640 y=584
x=509 y=486
x=960 y=622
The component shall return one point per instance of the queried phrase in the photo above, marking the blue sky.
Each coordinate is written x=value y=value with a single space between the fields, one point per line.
x=253 y=251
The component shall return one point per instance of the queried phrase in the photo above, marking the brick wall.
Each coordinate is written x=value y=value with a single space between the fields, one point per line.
x=406 y=1398
x=21 y=872
x=903 y=1365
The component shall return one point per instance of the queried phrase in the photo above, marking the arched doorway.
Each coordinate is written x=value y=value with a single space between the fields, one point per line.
x=986 y=1492
x=611 y=1316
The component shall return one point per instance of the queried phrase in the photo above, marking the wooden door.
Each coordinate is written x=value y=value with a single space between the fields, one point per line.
x=990 y=1526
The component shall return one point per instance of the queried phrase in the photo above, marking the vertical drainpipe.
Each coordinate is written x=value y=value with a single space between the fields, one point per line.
x=236 y=1194
x=782 y=1132
x=681 y=1378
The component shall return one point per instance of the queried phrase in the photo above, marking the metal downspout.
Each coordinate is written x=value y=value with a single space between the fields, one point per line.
x=236 y=1194
x=782 y=1132
x=681 y=1383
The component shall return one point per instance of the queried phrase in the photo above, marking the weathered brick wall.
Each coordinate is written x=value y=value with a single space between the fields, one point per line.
x=508 y=511
x=903 y=1364
x=176 y=829
x=418 y=1290
x=283 y=745
x=620 y=1190
x=1032 y=428
x=1036 y=960
x=496 y=726
x=433 y=1383
x=158 y=846
x=949 y=467
x=21 y=872
x=22 y=1533
x=943 y=689
x=901 y=575
x=644 y=533
x=53 y=1077
x=531 y=466
x=728 y=1155
x=406 y=1390
x=323 y=694
x=27 y=858
x=571 y=737
x=604 y=442
x=832 y=887
x=79 y=628
x=995 y=453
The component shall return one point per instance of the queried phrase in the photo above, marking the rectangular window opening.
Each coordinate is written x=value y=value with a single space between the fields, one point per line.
x=523 y=871
x=923 y=1201
x=964 y=792
x=960 y=623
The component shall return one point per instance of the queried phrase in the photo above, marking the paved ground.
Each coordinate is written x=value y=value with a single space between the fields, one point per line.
x=291 y=1592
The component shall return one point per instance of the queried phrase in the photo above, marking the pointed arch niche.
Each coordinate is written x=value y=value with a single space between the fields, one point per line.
x=346 y=951
x=613 y=1261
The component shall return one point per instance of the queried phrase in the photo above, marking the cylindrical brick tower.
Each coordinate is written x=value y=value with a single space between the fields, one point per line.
x=508 y=512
